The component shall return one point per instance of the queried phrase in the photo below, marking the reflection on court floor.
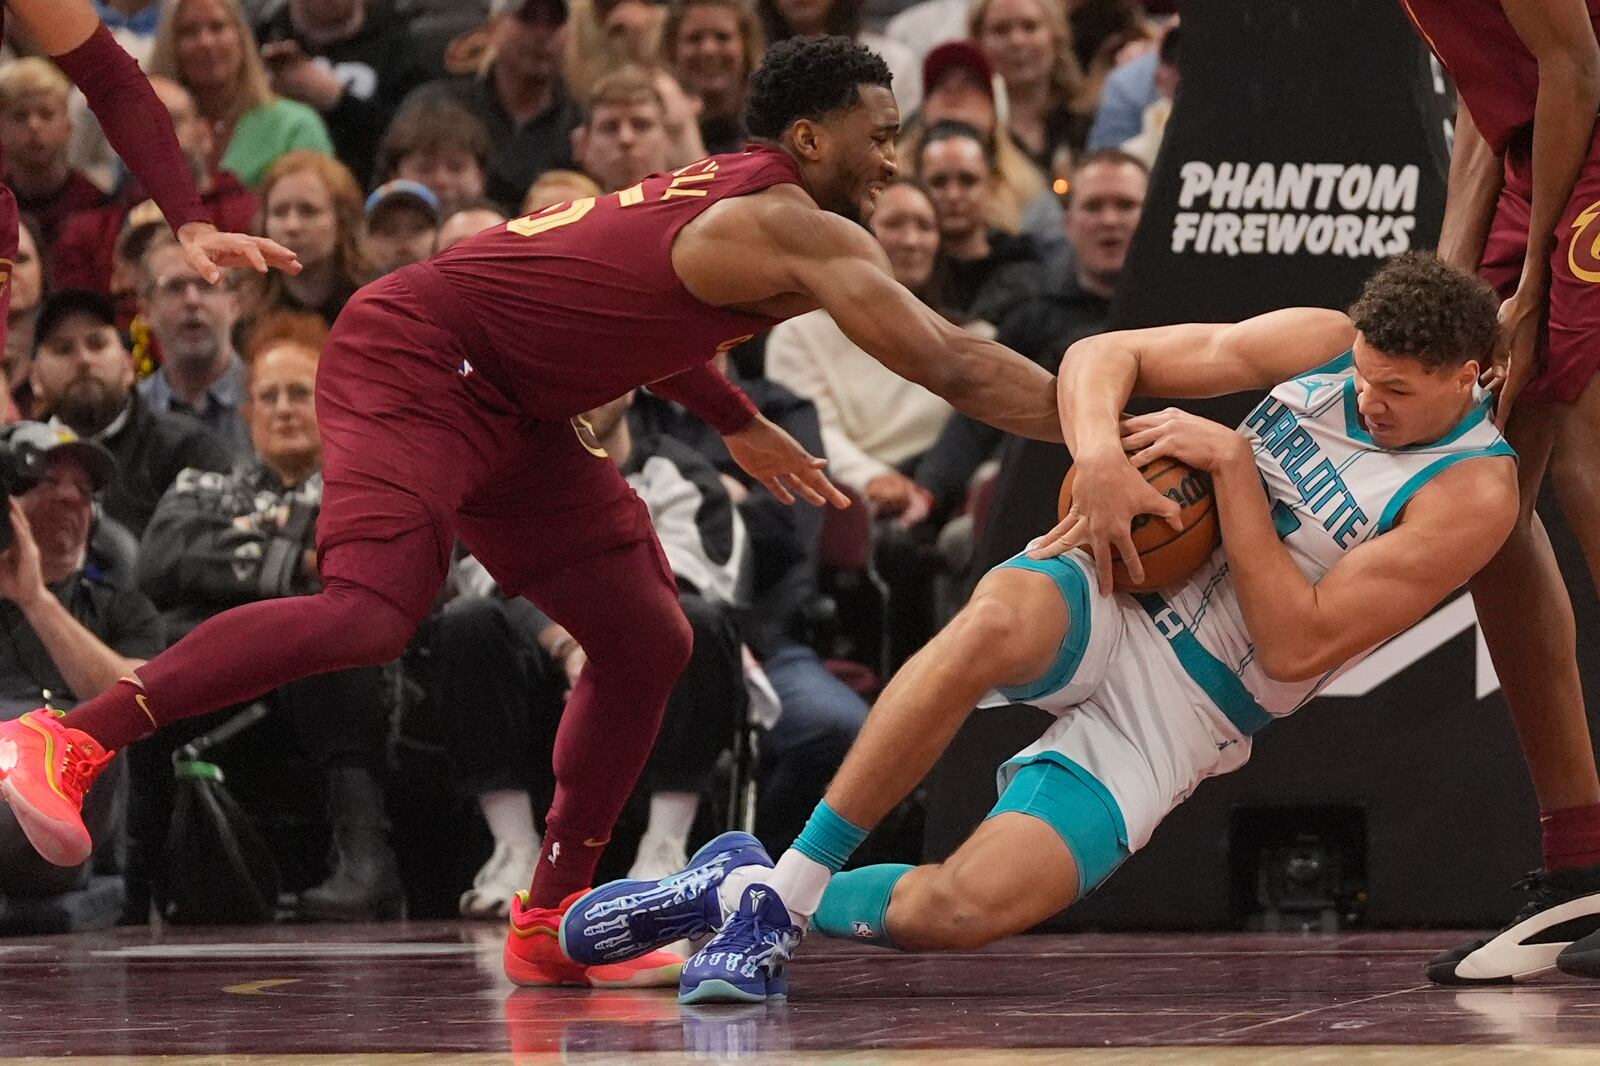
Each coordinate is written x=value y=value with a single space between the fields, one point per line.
x=433 y=992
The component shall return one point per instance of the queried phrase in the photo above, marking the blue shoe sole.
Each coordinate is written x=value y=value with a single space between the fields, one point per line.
x=732 y=841
x=719 y=991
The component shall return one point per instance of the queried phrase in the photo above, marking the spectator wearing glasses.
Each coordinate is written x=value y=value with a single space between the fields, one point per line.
x=192 y=324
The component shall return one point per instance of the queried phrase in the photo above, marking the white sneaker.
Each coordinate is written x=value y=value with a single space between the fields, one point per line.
x=656 y=858
x=508 y=871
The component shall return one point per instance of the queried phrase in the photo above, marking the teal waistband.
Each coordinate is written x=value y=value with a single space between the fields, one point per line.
x=1219 y=683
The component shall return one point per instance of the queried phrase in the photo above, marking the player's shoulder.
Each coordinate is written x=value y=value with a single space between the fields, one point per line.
x=1479 y=494
x=784 y=217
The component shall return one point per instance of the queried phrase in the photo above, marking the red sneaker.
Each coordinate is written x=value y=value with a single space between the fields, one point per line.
x=45 y=768
x=533 y=955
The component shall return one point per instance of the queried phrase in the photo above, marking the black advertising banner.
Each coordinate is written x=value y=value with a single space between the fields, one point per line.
x=1308 y=142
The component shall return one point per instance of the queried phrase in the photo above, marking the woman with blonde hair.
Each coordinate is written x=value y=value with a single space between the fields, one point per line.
x=208 y=48
x=711 y=46
x=311 y=204
x=1029 y=44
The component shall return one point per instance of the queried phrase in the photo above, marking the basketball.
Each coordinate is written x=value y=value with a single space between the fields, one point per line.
x=1168 y=555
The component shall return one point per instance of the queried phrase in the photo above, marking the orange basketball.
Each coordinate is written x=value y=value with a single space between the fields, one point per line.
x=1169 y=556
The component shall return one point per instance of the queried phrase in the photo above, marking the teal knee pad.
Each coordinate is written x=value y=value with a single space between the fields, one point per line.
x=1078 y=807
x=856 y=904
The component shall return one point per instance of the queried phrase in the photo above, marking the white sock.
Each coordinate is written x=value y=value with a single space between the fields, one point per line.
x=672 y=817
x=509 y=813
x=798 y=880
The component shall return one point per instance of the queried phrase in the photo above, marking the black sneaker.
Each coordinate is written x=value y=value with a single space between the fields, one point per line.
x=1581 y=958
x=1564 y=909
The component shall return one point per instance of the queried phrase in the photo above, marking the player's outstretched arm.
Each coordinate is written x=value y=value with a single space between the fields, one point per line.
x=138 y=127
x=844 y=270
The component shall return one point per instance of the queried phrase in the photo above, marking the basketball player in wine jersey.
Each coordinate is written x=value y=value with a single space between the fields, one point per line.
x=1366 y=487
x=446 y=397
x=1523 y=209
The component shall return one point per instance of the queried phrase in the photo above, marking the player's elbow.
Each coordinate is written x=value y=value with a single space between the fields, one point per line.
x=1290 y=662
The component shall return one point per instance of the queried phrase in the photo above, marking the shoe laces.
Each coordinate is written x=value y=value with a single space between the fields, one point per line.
x=769 y=946
x=1543 y=892
x=80 y=764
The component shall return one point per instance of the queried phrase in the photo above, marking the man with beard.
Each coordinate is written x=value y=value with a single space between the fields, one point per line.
x=83 y=381
x=200 y=375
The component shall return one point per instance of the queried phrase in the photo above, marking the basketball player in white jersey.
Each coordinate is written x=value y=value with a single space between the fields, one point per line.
x=1367 y=486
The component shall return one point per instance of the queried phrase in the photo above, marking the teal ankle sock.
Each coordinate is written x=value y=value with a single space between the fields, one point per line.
x=856 y=904
x=829 y=839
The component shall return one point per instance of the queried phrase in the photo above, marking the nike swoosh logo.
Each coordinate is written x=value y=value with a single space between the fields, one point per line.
x=593 y=843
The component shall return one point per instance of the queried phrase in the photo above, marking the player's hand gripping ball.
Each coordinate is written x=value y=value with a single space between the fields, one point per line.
x=1168 y=555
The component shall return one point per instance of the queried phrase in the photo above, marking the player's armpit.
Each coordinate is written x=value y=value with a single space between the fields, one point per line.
x=1445 y=535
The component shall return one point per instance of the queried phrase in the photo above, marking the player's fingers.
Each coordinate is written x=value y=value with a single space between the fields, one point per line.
x=804 y=485
x=203 y=264
x=256 y=259
x=1130 y=557
x=1101 y=548
x=1167 y=509
x=1140 y=438
x=775 y=486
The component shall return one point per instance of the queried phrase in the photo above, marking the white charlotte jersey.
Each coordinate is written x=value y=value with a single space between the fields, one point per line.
x=1331 y=488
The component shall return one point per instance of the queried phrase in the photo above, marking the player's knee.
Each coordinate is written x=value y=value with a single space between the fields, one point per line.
x=954 y=911
x=1576 y=478
x=669 y=639
x=991 y=626
x=371 y=628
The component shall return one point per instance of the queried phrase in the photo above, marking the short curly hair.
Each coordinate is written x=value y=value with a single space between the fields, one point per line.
x=808 y=77
x=1417 y=306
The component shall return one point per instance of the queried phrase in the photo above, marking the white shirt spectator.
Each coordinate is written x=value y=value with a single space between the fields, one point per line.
x=872 y=419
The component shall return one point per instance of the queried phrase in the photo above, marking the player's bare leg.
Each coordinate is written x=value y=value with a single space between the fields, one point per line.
x=1525 y=613
x=1526 y=616
x=1011 y=874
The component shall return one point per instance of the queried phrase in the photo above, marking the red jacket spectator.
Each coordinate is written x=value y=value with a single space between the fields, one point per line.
x=85 y=251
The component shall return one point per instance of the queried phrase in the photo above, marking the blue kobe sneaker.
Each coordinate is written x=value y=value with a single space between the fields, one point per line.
x=626 y=919
x=744 y=962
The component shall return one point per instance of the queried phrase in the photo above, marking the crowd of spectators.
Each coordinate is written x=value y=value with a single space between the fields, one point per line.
x=179 y=434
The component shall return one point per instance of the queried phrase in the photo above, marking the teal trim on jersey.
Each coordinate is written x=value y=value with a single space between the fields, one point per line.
x=1073 y=583
x=1072 y=801
x=1219 y=683
x=1336 y=365
x=1402 y=496
x=1284 y=520
x=1357 y=432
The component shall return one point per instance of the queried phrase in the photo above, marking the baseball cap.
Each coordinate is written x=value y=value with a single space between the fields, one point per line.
x=34 y=442
x=953 y=56
x=552 y=11
x=59 y=306
x=403 y=191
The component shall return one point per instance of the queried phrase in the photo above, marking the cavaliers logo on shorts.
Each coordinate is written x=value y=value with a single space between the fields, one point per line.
x=586 y=437
x=1583 y=250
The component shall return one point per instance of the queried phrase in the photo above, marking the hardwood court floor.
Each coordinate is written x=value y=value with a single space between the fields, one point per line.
x=433 y=993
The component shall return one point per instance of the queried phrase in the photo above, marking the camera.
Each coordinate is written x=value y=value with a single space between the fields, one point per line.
x=21 y=468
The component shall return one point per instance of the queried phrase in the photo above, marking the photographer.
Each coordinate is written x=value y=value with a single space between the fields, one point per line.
x=218 y=540
x=69 y=632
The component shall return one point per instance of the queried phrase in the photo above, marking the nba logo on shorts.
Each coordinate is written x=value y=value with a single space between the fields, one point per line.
x=861 y=929
x=464 y=369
